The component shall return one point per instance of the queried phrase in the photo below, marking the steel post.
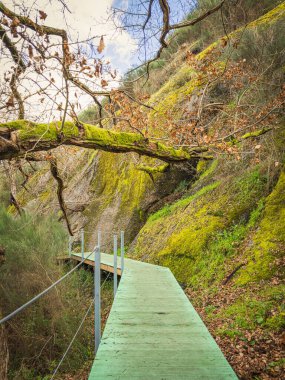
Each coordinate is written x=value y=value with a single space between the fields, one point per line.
x=97 y=304
x=115 y=264
x=82 y=244
x=122 y=251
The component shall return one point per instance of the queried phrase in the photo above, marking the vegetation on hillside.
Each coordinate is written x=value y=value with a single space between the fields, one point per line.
x=214 y=102
x=38 y=337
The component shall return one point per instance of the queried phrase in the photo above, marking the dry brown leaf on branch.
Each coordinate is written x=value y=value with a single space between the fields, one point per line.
x=30 y=51
x=4 y=21
x=101 y=45
x=104 y=83
x=224 y=42
x=10 y=102
x=15 y=22
x=43 y=15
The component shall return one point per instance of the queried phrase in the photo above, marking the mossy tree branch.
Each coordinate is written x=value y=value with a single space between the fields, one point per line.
x=153 y=169
x=21 y=137
x=255 y=134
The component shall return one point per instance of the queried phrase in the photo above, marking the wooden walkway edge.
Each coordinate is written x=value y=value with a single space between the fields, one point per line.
x=153 y=331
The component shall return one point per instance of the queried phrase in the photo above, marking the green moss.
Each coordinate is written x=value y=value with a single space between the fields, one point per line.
x=169 y=98
x=269 y=239
x=45 y=195
x=264 y=21
x=11 y=210
x=256 y=214
x=176 y=81
x=255 y=133
x=202 y=166
x=199 y=234
x=207 y=51
x=46 y=131
x=270 y=17
x=168 y=209
x=266 y=311
x=120 y=189
x=209 y=170
x=91 y=156
x=277 y=363
x=104 y=137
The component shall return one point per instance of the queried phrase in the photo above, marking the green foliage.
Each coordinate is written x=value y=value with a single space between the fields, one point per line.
x=168 y=209
x=208 y=169
x=182 y=186
x=4 y=191
x=267 y=311
x=268 y=240
x=199 y=234
x=256 y=214
x=39 y=335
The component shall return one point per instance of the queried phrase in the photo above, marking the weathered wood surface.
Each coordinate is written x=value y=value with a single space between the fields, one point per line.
x=106 y=261
x=153 y=331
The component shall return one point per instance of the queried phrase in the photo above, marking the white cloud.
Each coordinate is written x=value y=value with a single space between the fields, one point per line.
x=87 y=18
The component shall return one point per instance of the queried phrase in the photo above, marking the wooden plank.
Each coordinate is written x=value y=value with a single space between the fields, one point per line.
x=153 y=331
x=104 y=266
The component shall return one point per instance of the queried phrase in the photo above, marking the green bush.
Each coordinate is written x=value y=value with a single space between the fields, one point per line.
x=38 y=336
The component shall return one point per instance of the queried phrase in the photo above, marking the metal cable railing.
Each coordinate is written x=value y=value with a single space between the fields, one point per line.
x=76 y=333
x=97 y=289
x=72 y=340
x=31 y=301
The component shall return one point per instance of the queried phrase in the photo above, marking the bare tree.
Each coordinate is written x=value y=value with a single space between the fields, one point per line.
x=47 y=73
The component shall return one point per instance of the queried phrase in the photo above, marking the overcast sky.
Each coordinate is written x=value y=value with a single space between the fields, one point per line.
x=89 y=18
x=93 y=17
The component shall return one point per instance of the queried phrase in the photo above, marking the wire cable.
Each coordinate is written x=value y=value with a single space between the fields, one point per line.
x=31 y=301
x=77 y=331
x=72 y=340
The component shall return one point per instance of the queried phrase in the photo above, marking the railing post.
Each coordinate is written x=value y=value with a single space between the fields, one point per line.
x=99 y=240
x=69 y=246
x=122 y=251
x=97 y=304
x=82 y=244
x=115 y=264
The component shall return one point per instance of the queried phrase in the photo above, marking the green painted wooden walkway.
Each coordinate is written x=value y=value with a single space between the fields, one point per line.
x=153 y=331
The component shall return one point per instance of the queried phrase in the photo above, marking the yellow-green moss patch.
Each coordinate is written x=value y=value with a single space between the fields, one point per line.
x=269 y=239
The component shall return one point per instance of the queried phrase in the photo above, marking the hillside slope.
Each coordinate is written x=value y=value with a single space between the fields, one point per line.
x=220 y=227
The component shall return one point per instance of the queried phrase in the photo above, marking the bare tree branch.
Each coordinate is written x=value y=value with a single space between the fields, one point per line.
x=60 y=188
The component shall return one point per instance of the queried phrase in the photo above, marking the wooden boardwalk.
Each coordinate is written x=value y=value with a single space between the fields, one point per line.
x=153 y=331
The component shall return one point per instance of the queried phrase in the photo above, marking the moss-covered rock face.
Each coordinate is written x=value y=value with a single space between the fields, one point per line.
x=268 y=242
x=121 y=193
x=103 y=190
x=186 y=235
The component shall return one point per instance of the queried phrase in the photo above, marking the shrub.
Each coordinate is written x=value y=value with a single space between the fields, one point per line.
x=38 y=336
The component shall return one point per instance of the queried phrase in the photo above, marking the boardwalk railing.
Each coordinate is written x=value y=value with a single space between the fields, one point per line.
x=97 y=274
x=152 y=332
x=94 y=256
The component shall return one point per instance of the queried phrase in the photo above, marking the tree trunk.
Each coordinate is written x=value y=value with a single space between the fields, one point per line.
x=20 y=138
